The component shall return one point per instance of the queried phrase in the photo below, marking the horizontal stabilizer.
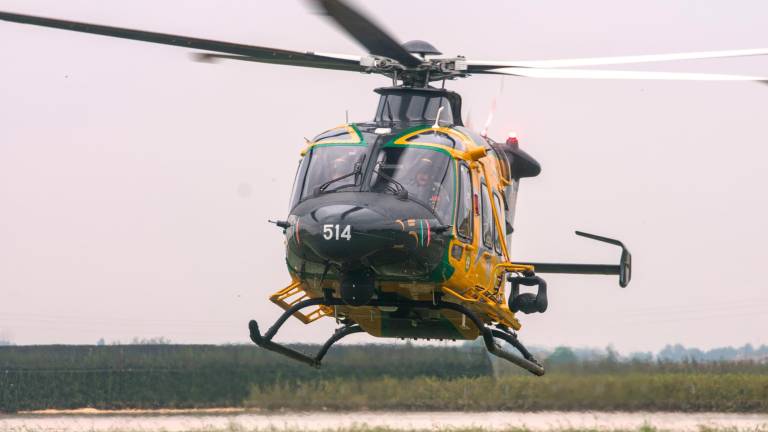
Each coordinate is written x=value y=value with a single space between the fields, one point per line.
x=623 y=269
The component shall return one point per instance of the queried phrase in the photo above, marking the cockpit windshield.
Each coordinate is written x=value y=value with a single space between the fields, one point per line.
x=426 y=174
x=332 y=168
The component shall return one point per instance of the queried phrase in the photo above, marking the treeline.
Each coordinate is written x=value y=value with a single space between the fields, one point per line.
x=679 y=352
x=613 y=366
x=670 y=353
x=193 y=376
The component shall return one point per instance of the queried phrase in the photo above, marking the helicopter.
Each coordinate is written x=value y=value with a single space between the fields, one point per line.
x=401 y=227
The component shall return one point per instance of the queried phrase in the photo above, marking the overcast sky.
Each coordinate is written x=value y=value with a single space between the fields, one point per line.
x=135 y=184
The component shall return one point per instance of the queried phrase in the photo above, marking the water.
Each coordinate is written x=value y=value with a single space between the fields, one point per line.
x=239 y=420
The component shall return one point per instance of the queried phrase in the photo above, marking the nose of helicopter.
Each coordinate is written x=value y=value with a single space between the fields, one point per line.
x=364 y=231
x=363 y=241
x=363 y=237
x=343 y=233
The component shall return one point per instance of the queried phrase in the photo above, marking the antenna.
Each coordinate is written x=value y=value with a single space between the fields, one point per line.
x=492 y=111
x=489 y=120
x=437 y=120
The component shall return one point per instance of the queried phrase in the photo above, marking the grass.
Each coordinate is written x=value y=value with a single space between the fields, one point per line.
x=199 y=376
x=384 y=429
x=687 y=392
x=237 y=428
x=366 y=377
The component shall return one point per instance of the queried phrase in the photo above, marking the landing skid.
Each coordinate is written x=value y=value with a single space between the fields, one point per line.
x=489 y=335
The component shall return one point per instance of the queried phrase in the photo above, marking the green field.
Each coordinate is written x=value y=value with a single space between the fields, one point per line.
x=364 y=428
x=372 y=377
x=691 y=392
x=199 y=376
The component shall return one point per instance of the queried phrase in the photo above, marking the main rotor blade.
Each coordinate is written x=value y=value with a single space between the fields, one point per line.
x=477 y=65
x=365 y=31
x=612 y=74
x=317 y=62
x=254 y=53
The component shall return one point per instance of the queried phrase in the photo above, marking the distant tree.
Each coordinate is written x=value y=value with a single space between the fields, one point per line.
x=160 y=340
x=641 y=356
x=721 y=354
x=562 y=355
x=679 y=353
x=611 y=355
x=762 y=352
x=5 y=340
x=673 y=353
x=589 y=354
x=101 y=342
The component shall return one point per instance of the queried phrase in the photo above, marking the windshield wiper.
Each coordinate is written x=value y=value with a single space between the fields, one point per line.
x=356 y=171
x=399 y=190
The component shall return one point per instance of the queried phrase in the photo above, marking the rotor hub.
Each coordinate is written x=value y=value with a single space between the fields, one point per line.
x=420 y=47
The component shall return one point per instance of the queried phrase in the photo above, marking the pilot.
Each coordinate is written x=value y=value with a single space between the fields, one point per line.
x=339 y=167
x=423 y=185
x=422 y=169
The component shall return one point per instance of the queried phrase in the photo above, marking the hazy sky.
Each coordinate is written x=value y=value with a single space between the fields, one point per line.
x=135 y=184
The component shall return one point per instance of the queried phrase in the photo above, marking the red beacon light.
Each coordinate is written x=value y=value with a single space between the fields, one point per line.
x=512 y=139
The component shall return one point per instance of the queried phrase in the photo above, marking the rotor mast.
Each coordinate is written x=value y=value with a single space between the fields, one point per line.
x=413 y=62
x=428 y=69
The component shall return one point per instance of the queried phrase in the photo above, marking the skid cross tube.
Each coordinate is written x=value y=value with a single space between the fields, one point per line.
x=296 y=355
x=337 y=335
x=527 y=362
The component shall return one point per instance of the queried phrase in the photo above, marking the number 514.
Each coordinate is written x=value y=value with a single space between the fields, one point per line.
x=335 y=232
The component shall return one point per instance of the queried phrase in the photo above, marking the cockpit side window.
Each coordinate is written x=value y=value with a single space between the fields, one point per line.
x=296 y=190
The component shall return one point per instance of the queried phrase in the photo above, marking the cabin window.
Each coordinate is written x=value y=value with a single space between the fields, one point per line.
x=465 y=216
x=296 y=184
x=500 y=210
x=486 y=217
x=334 y=165
x=427 y=175
x=510 y=199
